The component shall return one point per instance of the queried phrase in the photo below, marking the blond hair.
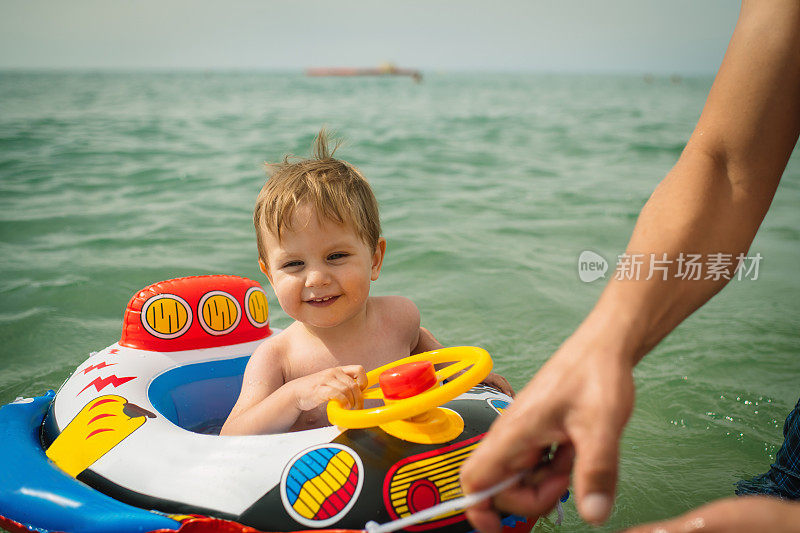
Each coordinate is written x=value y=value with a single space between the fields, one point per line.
x=335 y=189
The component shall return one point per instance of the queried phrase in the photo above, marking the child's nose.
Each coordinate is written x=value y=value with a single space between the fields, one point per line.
x=317 y=277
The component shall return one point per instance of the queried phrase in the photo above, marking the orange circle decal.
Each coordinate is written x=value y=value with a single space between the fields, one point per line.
x=257 y=307
x=219 y=312
x=166 y=316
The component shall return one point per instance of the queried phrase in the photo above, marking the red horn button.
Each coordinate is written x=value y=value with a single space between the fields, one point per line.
x=407 y=380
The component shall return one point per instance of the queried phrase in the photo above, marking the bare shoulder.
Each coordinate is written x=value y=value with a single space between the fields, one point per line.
x=398 y=314
x=268 y=359
x=398 y=309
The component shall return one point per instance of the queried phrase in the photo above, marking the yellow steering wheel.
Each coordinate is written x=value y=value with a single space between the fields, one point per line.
x=477 y=361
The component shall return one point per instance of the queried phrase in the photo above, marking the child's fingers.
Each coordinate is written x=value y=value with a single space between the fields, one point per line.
x=347 y=386
x=356 y=373
x=341 y=397
x=347 y=383
x=359 y=399
x=499 y=382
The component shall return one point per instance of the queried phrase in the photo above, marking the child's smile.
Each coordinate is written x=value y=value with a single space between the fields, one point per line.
x=322 y=302
x=321 y=270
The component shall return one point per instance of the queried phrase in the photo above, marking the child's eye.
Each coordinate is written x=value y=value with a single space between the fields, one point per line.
x=337 y=255
x=292 y=264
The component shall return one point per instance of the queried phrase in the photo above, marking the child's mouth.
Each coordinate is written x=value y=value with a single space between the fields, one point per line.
x=322 y=302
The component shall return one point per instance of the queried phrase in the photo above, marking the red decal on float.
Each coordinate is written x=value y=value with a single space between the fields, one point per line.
x=101 y=383
x=113 y=351
x=98 y=417
x=96 y=367
x=161 y=317
x=96 y=431
x=338 y=499
x=421 y=481
x=101 y=402
x=422 y=494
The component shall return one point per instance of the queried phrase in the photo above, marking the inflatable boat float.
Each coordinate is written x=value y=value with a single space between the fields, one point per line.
x=130 y=442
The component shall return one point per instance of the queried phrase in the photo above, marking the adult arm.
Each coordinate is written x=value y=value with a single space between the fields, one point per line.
x=712 y=201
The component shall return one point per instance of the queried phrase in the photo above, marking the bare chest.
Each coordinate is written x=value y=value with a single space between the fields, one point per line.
x=380 y=351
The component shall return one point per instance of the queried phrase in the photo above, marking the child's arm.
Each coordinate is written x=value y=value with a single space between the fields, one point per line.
x=425 y=342
x=268 y=405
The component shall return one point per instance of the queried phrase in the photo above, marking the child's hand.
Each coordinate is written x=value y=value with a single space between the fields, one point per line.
x=500 y=383
x=343 y=383
x=492 y=380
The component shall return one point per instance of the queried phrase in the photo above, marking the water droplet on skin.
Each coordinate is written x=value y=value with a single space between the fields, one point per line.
x=697 y=523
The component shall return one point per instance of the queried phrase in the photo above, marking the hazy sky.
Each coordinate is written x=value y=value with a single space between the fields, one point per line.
x=664 y=36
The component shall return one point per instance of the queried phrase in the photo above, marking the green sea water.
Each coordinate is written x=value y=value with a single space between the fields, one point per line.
x=490 y=187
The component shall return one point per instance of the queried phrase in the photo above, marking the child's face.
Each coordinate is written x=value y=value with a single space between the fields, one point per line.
x=321 y=270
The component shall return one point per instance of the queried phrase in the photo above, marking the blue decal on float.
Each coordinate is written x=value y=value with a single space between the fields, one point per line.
x=498 y=405
x=321 y=484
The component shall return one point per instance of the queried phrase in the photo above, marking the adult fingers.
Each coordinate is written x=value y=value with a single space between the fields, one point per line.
x=537 y=500
x=536 y=496
x=490 y=463
x=597 y=456
x=595 y=428
x=484 y=518
x=509 y=447
x=539 y=490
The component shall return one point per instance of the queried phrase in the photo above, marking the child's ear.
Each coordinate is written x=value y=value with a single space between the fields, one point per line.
x=377 y=258
x=264 y=269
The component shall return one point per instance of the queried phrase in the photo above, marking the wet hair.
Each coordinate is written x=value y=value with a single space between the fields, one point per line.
x=335 y=189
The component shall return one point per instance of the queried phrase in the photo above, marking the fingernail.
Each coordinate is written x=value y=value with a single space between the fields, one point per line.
x=596 y=507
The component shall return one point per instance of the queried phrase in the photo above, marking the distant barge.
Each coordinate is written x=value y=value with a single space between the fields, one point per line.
x=387 y=69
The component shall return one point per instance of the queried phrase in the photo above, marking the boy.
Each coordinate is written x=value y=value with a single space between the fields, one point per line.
x=319 y=244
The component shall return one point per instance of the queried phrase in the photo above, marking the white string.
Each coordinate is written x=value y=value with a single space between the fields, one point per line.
x=442 y=508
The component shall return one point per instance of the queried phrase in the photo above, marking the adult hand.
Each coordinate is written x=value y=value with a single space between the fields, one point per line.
x=712 y=201
x=580 y=399
x=733 y=515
